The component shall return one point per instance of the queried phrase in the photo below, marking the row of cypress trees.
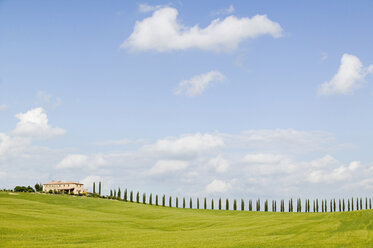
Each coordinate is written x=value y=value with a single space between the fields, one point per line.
x=333 y=205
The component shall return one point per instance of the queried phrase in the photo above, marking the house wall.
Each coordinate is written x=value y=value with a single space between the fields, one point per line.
x=78 y=188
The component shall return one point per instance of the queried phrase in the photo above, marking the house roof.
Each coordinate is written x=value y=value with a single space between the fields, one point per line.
x=61 y=182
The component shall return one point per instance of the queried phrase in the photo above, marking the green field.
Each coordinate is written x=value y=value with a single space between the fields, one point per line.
x=38 y=220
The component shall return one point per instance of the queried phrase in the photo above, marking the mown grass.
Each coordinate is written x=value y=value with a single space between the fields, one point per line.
x=38 y=220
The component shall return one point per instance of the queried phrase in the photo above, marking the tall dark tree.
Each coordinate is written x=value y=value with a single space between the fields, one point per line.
x=348 y=205
x=170 y=202
x=151 y=199
x=366 y=203
x=138 y=197
x=352 y=204
x=144 y=198
x=205 y=203
x=99 y=188
x=111 y=193
x=183 y=202
x=227 y=204
x=119 y=194
x=219 y=203
x=361 y=203
x=94 y=188
x=370 y=203
x=163 y=201
x=343 y=205
x=115 y=193
x=190 y=203
x=242 y=205
x=212 y=204
x=357 y=203
x=331 y=205
x=197 y=202
x=339 y=205
x=156 y=200
x=131 y=196
x=234 y=204
x=125 y=195
x=266 y=206
x=177 y=202
x=250 y=205
x=258 y=205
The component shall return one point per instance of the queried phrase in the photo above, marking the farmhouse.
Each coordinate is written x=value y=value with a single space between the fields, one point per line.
x=64 y=187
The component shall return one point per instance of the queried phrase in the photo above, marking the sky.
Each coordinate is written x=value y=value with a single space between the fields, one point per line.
x=241 y=99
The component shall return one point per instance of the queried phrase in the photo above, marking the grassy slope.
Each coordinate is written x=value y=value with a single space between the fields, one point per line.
x=35 y=220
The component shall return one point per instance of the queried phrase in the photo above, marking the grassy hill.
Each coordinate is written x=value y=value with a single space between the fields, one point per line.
x=38 y=220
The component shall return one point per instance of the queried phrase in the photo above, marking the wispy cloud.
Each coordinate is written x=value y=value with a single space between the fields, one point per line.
x=198 y=84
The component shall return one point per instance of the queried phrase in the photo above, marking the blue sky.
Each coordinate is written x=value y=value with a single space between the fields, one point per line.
x=287 y=95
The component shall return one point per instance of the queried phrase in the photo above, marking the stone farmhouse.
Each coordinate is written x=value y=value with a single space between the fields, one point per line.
x=63 y=187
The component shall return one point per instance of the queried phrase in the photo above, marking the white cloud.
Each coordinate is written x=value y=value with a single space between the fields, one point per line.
x=263 y=158
x=145 y=8
x=220 y=164
x=45 y=99
x=338 y=174
x=12 y=146
x=350 y=76
x=163 y=32
x=167 y=166
x=218 y=186
x=82 y=161
x=225 y=11
x=197 y=84
x=189 y=144
x=3 y=107
x=35 y=123
x=88 y=181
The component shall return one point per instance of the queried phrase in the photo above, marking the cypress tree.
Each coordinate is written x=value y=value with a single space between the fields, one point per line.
x=177 y=202
x=343 y=205
x=250 y=205
x=370 y=203
x=115 y=194
x=99 y=188
x=242 y=205
x=125 y=195
x=322 y=206
x=348 y=205
x=111 y=193
x=205 y=203
x=361 y=203
x=144 y=198
x=331 y=205
x=212 y=204
x=266 y=206
x=366 y=203
x=190 y=203
x=94 y=188
x=219 y=203
x=197 y=202
x=234 y=204
x=183 y=202
x=258 y=205
x=151 y=199
x=339 y=205
x=138 y=197
x=170 y=202
x=352 y=204
x=156 y=200
x=275 y=206
x=163 y=201
x=131 y=196
x=119 y=194
x=291 y=205
x=357 y=203
x=227 y=204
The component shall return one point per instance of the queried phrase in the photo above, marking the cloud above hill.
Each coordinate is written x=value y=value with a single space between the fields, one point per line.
x=164 y=32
